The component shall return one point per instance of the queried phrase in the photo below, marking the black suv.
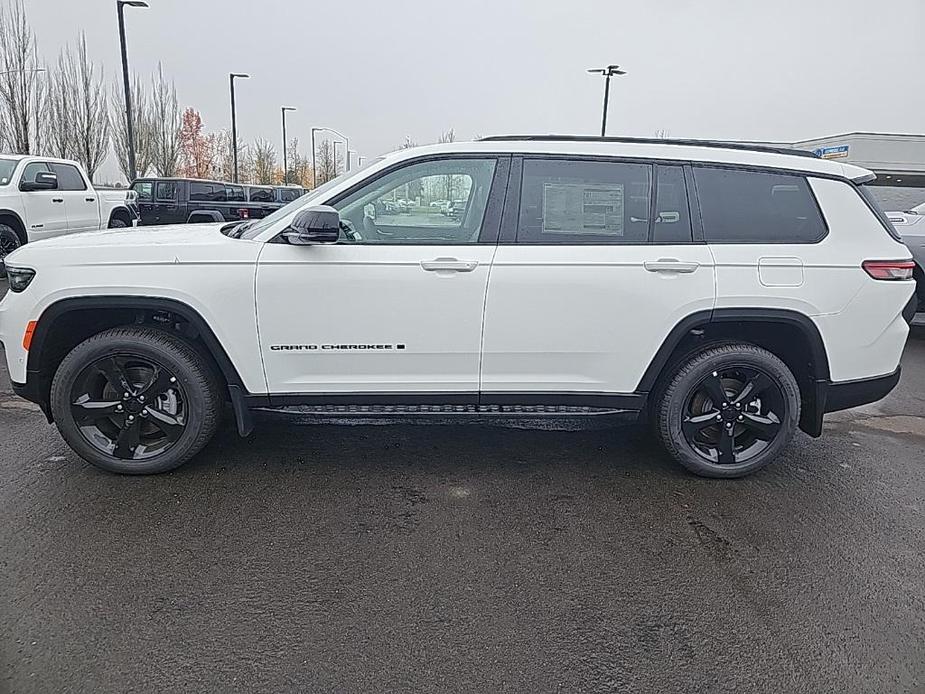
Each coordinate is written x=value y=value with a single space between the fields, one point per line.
x=191 y=200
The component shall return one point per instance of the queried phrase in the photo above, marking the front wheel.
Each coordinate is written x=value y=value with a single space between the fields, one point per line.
x=9 y=242
x=135 y=400
x=117 y=223
x=729 y=411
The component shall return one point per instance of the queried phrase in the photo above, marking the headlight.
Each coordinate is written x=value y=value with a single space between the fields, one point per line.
x=19 y=277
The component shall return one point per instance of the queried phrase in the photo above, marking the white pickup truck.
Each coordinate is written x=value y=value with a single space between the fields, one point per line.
x=41 y=197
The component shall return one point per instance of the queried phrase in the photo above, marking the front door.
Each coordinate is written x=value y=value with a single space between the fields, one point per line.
x=597 y=264
x=46 y=215
x=395 y=306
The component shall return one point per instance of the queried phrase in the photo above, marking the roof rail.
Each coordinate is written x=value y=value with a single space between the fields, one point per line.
x=719 y=144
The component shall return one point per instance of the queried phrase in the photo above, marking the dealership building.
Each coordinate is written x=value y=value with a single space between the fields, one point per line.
x=898 y=161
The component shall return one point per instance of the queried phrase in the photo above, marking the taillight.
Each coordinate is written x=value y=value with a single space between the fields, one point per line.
x=889 y=269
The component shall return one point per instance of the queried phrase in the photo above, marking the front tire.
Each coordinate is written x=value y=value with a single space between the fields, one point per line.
x=117 y=223
x=9 y=242
x=135 y=400
x=729 y=411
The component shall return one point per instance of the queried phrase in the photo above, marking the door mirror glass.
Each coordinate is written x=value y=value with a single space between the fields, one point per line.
x=44 y=180
x=318 y=224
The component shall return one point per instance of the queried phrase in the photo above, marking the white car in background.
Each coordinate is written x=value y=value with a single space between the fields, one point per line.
x=42 y=197
x=911 y=227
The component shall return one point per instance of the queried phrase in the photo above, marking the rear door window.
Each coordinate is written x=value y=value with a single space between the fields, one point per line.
x=672 y=212
x=234 y=193
x=166 y=191
x=565 y=201
x=743 y=206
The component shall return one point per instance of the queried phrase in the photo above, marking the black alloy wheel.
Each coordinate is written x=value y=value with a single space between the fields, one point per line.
x=733 y=415
x=129 y=406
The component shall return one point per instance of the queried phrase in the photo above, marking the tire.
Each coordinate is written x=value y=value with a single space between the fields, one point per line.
x=759 y=411
x=9 y=242
x=174 y=404
x=117 y=223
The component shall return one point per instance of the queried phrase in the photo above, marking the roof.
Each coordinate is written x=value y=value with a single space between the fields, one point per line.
x=670 y=150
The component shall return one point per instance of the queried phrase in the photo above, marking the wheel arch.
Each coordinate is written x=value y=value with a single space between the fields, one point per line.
x=13 y=218
x=790 y=335
x=120 y=212
x=67 y=322
x=210 y=215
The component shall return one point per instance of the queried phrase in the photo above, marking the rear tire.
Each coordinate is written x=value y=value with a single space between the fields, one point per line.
x=728 y=411
x=117 y=223
x=136 y=400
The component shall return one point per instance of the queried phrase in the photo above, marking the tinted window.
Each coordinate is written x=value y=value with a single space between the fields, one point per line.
x=234 y=193
x=166 y=190
x=145 y=190
x=396 y=207
x=289 y=194
x=33 y=168
x=672 y=213
x=584 y=202
x=756 y=207
x=69 y=177
x=260 y=194
x=206 y=192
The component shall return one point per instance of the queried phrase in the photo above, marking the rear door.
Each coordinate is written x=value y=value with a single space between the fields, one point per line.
x=46 y=215
x=80 y=200
x=167 y=208
x=598 y=261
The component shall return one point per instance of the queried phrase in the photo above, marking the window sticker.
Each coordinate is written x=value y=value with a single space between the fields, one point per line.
x=583 y=209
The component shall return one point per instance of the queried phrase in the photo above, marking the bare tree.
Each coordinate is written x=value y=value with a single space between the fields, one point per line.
x=408 y=143
x=20 y=84
x=299 y=165
x=325 y=162
x=88 y=114
x=142 y=125
x=263 y=162
x=165 y=115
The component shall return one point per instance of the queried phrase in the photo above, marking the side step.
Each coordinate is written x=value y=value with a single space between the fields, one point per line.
x=453 y=410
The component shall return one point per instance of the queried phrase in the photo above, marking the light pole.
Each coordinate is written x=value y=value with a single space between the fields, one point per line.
x=607 y=72
x=334 y=143
x=130 y=126
x=344 y=138
x=283 y=110
x=234 y=122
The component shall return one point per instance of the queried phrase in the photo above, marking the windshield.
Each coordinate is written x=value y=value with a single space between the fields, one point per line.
x=7 y=166
x=253 y=229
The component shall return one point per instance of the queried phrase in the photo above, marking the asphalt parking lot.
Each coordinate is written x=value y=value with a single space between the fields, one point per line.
x=467 y=558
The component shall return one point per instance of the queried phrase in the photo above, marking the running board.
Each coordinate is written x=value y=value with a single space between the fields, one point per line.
x=478 y=410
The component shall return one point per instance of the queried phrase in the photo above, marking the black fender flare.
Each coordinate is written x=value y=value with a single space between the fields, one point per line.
x=55 y=311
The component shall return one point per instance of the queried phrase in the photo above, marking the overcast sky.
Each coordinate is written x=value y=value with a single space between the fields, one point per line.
x=379 y=70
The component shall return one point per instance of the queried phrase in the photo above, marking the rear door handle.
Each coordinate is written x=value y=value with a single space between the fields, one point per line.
x=670 y=265
x=57 y=199
x=449 y=265
x=89 y=199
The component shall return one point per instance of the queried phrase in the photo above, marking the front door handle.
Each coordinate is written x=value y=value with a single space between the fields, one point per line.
x=57 y=199
x=449 y=265
x=670 y=265
x=89 y=199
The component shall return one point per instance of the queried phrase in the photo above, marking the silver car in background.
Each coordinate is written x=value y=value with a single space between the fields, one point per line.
x=911 y=226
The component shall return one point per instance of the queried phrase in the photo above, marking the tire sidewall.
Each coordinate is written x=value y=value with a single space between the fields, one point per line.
x=9 y=232
x=117 y=223
x=88 y=352
x=680 y=391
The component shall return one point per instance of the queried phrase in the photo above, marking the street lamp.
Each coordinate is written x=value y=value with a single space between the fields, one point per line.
x=234 y=122
x=330 y=130
x=334 y=143
x=343 y=137
x=130 y=126
x=607 y=72
x=283 y=110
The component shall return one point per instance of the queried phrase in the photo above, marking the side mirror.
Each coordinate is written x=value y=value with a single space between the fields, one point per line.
x=44 y=180
x=318 y=224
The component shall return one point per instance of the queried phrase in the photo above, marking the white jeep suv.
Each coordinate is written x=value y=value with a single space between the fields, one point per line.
x=731 y=294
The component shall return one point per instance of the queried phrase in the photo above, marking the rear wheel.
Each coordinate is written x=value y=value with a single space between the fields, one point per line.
x=135 y=400
x=729 y=411
x=117 y=223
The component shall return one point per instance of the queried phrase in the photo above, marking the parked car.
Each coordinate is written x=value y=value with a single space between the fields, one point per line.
x=41 y=197
x=194 y=201
x=730 y=294
x=911 y=227
x=456 y=209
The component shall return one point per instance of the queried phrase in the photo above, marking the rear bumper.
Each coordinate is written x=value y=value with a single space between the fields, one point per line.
x=847 y=394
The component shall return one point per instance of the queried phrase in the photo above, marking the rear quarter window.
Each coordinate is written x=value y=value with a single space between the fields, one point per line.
x=742 y=206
